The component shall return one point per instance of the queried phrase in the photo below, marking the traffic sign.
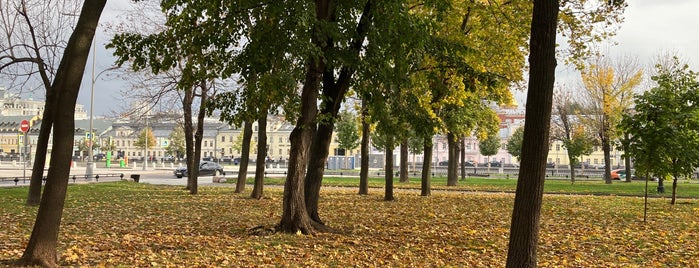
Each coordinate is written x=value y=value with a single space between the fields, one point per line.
x=24 y=126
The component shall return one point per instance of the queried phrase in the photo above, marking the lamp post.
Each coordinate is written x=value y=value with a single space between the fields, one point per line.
x=145 y=146
x=90 y=167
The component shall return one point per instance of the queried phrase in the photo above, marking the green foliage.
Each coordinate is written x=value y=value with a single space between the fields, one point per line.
x=107 y=145
x=415 y=144
x=176 y=147
x=514 y=144
x=143 y=136
x=664 y=129
x=580 y=143
x=347 y=131
x=490 y=145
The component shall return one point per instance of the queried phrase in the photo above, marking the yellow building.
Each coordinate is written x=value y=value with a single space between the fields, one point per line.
x=559 y=155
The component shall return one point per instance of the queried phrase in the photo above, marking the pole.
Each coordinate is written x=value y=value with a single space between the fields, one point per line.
x=89 y=169
x=145 y=155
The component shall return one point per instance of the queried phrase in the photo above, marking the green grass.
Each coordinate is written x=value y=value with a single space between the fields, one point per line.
x=498 y=184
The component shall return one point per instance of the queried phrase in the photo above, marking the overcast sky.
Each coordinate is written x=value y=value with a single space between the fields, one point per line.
x=650 y=27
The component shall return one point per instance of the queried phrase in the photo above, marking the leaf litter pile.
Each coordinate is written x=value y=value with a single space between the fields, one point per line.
x=138 y=225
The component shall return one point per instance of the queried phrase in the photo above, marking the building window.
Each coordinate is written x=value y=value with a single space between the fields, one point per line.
x=223 y=138
x=558 y=147
x=206 y=143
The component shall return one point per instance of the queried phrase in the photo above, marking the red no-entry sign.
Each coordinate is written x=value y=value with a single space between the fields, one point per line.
x=24 y=126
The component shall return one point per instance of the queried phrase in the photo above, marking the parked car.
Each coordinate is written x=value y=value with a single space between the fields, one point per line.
x=209 y=158
x=226 y=159
x=495 y=164
x=468 y=163
x=620 y=174
x=206 y=168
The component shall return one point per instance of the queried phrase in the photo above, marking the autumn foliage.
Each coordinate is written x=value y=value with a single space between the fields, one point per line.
x=136 y=225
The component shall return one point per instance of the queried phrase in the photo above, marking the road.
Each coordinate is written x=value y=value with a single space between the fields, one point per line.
x=158 y=175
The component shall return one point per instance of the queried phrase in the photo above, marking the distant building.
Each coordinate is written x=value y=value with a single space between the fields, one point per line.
x=13 y=105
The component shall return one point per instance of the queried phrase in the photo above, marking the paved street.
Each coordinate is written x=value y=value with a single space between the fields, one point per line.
x=158 y=175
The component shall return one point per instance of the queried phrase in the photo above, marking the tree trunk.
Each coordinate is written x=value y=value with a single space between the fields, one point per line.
x=388 y=193
x=187 y=101
x=316 y=167
x=193 y=178
x=572 y=161
x=244 y=157
x=606 y=148
x=364 y=169
x=261 y=154
x=294 y=215
x=453 y=163
x=426 y=166
x=463 y=158
x=404 y=177
x=34 y=195
x=524 y=230
x=674 y=190
x=333 y=97
x=41 y=248
x=627 y=162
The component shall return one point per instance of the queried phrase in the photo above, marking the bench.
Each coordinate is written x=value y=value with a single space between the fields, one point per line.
x=478 y=174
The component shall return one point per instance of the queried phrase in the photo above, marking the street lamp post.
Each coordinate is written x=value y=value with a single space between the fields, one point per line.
x=90 y=167
x=145 y=155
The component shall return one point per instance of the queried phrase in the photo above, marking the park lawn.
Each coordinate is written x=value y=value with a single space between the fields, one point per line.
x=685 y=188
x=127 y=224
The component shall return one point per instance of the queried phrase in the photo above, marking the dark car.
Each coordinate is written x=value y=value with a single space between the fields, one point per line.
x=495 y=164
x=206 y=168
x=468 y=163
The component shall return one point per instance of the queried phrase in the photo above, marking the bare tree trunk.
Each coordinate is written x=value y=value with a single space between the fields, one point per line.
x=674 y=190
x=244 y=158
x=294 y=215
x=606 y=148
x=388 y=193
x=316 y=168
x=261 y=155
x=426 y=165
x=187 y=101
x=364 y=169
x=627 y=162
x=41 y=248
x=34 y=195
x=524 y=230
x=404 y=161
x=193 y=179
x=333 y=96
x=463 y=158
x=453 y=162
